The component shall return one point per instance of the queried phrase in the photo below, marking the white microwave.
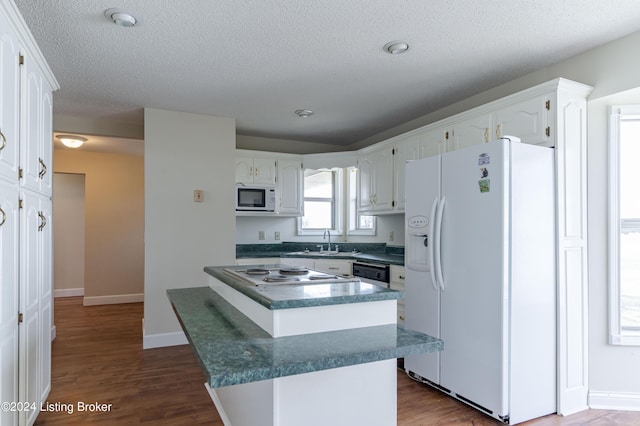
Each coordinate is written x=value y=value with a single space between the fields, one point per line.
x=254 y=198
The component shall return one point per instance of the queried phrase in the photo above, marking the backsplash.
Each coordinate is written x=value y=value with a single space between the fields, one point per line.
x=287 y=247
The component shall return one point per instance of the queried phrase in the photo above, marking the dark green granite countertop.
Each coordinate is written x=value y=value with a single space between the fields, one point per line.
x=302 y=296
x=232 y=349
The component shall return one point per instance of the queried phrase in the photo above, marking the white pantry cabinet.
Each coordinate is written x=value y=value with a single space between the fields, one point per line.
x=26 y=307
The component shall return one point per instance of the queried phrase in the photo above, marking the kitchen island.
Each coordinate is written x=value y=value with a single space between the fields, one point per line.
x=340 y=373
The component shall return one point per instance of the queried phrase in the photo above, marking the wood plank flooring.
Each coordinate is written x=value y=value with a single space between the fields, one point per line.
x=98 y=357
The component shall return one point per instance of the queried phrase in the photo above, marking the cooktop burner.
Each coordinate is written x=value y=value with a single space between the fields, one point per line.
x=285 y=274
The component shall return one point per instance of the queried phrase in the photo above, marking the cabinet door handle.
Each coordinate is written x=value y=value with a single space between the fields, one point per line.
x=4 y=141
x=4 y=217
x=43 y=221
x=498 y=131
x=486 y=134
x=43 y=168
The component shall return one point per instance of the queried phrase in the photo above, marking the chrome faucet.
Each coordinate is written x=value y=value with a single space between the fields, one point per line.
x=327 y=233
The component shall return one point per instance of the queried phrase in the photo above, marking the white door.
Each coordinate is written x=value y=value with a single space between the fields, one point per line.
x=474 y=297
x=422 y=298
x=9 y=237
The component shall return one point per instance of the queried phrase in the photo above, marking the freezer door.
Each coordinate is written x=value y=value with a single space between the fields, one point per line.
x=422 y=298
x=474 y=297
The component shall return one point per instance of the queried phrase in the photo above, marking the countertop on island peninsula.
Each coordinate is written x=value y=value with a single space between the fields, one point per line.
x=302 y=296
x=232 y=349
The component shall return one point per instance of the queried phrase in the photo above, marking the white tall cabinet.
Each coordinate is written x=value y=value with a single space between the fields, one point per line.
x=26 y=297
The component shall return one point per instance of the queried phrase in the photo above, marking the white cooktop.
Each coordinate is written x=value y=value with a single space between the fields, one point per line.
x=285 y=275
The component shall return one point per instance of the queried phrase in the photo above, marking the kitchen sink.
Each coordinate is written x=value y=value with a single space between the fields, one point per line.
x=323 y=253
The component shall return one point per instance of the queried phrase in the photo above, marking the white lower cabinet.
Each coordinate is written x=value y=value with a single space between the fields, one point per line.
x=307 y=262
x=257 y=261
x=397 y=283
x=334 y=266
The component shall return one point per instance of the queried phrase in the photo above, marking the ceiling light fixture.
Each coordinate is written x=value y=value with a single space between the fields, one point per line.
x=120 y=17
x=396 y=47
x=71 y=141
x=303 y=113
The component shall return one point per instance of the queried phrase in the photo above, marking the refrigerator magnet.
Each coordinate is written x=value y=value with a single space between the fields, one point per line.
x=485 y=185
x=484 y=172
x=483 y=159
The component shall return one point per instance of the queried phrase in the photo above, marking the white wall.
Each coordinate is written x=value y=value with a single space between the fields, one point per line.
x=114 y=223
x=184 y=152
x=68 y=234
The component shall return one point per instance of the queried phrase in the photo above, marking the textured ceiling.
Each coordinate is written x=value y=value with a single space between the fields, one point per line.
x=259 y=60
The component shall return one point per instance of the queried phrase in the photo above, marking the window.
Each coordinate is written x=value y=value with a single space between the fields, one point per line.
x=330 y=203
x=624 y=225
x=320 y=200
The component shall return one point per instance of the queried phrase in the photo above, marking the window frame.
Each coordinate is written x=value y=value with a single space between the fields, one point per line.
x=617 y=334
x=338 y=205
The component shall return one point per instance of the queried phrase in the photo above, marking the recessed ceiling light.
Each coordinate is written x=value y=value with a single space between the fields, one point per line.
x=303 y=113
x=396 y=47
x=71 y=141
x=120 y=17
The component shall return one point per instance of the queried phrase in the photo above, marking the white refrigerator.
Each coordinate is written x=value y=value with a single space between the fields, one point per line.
x=481 y=275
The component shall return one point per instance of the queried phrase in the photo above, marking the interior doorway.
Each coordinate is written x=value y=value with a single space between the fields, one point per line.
x=68 y=234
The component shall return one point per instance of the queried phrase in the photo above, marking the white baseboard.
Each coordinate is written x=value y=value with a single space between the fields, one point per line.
x=614 y=401
x=161 y=340
x=68 y=292
x=113 y=300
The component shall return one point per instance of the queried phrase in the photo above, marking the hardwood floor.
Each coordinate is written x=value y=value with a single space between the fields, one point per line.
x=98 y=357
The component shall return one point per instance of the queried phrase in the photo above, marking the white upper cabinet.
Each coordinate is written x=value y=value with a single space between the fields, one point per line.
x=528 y=120
x=376 y=181
x=255 y=170
x=432 y=142
x=406 y=149
x=284 y=171
x=365 y=187
x=36 y=130
x=469 y=132
x=9 y=102
x=289 y=188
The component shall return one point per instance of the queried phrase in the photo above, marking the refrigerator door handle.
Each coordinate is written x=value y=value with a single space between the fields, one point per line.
x=437 y=245
x=430 y=249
